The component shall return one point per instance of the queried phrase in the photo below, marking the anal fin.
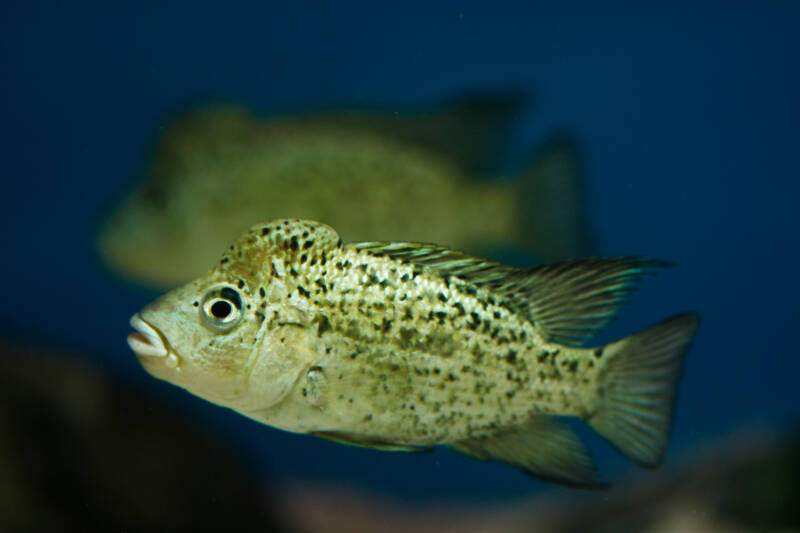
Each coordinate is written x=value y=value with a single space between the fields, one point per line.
x=364 y=441
x=543 y=448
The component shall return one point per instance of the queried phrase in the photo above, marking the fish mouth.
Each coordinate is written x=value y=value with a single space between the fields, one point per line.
x=147 y=341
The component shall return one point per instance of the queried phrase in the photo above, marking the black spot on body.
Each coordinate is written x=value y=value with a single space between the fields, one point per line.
x=302 y=291
x=469 y=290
x=324 y=325
x=406 y=337
x=511 y=357
x=598 y=353
x=442 y=297
x=262 y=292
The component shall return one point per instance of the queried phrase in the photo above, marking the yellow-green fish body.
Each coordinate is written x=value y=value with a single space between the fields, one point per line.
x=220 y=170
x=404 y=346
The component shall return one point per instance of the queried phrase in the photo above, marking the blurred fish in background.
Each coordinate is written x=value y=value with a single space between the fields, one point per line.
x=373 y=175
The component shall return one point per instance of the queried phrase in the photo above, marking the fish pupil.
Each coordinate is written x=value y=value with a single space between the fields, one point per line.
x=221 y=309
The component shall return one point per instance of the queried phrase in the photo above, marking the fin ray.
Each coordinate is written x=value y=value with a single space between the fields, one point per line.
x=571 y=300
x=543 y=448
x=638 y=388
x=362 y=441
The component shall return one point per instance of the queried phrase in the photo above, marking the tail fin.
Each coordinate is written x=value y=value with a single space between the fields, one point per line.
x=637 y=388
x=552 y=211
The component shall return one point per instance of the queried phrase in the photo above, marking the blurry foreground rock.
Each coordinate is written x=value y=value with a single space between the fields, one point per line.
x=78 y=452
x=749 y=484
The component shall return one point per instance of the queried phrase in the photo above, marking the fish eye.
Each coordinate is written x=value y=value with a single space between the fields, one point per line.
x=222 y=308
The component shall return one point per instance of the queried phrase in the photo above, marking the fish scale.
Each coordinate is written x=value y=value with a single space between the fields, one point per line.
x=402 y=346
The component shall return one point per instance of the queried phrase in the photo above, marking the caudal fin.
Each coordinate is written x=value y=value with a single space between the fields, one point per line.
x=551 y=204
x=637 y=388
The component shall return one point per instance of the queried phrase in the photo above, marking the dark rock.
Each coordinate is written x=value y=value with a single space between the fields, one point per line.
x=80 y=452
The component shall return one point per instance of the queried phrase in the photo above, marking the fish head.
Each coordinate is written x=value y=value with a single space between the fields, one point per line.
x=198 y=337
x=236 y=336
x=169 y=230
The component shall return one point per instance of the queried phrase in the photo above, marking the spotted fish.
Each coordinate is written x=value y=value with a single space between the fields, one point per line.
x=402 y=346
x=218 y=170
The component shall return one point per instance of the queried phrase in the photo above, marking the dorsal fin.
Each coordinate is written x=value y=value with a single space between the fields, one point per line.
x=470 y=130
x=481 y=272
x=570 y=300
x=573 y=300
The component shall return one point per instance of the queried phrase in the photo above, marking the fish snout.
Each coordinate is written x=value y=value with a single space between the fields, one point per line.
x=147 y=341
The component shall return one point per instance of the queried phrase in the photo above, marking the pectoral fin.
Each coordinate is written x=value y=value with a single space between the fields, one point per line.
x=364 y=441
x=544 y=448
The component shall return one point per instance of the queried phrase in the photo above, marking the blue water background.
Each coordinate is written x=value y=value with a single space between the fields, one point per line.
x=687 y=114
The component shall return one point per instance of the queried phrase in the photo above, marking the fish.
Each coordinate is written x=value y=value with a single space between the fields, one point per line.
x=404 y=346
x=406 y=176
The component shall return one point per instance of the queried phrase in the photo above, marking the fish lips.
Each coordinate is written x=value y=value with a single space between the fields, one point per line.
x=147 y=341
